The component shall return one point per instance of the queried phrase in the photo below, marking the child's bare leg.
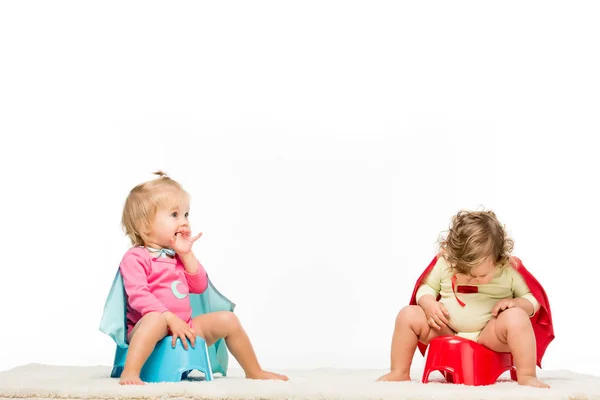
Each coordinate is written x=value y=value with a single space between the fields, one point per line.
x=225 y=324
x=144 y=336
x=512 y=332
x=411 y=327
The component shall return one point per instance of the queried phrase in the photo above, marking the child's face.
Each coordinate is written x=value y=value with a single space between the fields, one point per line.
x=482 y=273
x=167 y=223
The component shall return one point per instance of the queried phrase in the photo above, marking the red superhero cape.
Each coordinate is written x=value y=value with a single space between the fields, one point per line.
x=541 y=321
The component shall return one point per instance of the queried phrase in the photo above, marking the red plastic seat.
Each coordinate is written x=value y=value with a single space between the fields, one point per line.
x=464 y=361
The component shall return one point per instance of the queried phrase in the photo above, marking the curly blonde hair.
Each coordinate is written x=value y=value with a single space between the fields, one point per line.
x=144 y=201
x=472 y=237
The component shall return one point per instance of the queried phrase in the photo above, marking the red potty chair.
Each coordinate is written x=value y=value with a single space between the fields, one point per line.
x=464 y=361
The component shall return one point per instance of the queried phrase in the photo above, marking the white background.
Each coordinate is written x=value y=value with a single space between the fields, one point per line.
x=325 y=145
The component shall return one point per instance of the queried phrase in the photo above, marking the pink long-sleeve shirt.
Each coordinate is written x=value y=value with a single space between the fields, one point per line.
x=158 y=285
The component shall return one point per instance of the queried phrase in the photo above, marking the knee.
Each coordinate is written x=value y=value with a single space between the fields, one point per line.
x=229 y=318
x=155 y=319
x=153 y=323
x=515 y=318
x=410 y=315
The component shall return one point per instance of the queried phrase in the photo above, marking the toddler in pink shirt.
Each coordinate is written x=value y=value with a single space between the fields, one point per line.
x=159 y=272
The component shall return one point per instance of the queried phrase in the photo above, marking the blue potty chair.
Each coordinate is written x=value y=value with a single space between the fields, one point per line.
x=165 y=363
x=168 y=364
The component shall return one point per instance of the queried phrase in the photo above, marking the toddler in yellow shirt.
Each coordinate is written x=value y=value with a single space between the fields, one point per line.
x=474 y=288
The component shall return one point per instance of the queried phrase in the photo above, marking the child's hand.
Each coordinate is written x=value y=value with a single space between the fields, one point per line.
x=437 y=315
x=502 y=305
x=179 y=329
x=183 y=241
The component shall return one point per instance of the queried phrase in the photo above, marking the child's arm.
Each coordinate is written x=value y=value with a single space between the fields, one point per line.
x=195 y=273
x=431 y=285
x=523 y=296
x=135 y=279
x=426 y=297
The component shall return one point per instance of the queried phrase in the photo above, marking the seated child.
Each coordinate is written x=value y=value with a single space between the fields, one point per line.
x=475 y=289
x=159 y=271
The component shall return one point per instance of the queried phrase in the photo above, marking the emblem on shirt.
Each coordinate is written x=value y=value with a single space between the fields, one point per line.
x=467 y=289
x=176 y=292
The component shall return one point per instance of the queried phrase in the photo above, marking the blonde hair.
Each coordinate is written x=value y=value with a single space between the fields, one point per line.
x=472 y=237
x=144 y=201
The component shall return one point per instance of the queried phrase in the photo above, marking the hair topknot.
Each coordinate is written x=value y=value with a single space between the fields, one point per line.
x=472 y=237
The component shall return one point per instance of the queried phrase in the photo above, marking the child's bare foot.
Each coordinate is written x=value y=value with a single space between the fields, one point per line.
x=130 y=380
x=396 y=376
x=266 y=375
x=532 y=381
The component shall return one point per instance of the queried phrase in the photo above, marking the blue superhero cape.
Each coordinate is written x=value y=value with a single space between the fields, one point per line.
x=114 y=318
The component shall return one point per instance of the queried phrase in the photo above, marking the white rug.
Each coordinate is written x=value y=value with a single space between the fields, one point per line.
x=61 y=382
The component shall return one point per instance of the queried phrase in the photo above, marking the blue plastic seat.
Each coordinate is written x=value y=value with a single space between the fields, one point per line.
x=168 y=364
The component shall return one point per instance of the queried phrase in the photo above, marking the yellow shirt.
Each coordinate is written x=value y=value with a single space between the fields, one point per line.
x=468 y=321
